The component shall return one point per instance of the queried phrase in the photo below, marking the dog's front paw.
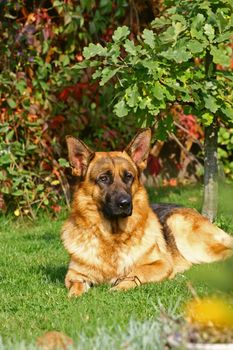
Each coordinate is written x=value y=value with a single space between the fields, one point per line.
x=125 y=283
x=78 y=288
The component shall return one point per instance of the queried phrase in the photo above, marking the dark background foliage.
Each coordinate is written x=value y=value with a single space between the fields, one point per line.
x=43 y=98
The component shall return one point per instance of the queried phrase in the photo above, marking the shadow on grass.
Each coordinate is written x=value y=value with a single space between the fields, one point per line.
x=54 y=274
x=47 y=236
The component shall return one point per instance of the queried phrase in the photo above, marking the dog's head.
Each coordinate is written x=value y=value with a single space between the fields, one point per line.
x=110 y=178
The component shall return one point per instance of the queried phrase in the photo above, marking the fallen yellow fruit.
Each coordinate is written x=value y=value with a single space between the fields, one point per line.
x=17 y=212
x=210 y=311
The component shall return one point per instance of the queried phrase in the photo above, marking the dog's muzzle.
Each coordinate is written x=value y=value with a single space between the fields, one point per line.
x=119 y=205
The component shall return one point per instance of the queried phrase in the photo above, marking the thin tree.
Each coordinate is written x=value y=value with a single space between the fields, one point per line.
x=175 y=61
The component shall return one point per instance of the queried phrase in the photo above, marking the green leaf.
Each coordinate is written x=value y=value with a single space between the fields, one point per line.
x=221 y=20
x=5 y=158
x=3 y=176
x=169 y=93
x=107 y=74
x=168 y=36
x=178 y=55
x=97 y=74
x=18 y=193
x=226 y=135
x=227 y=110
x=11 y=103
x=5 y=189
x=59 y=5
x=121 y=109
x=179 y=18
x=158 y=91
x=82 y=65
x=209 y=31
x=63 y=162
x=211 y=103
x=10 y=16
x=10 y=135
x=149 y=38
x=226 y=75
x=207 y=119
x=40 y=187
x=148 y=104
x=93 y=50
x=120 y=33
x=197 y=26
x=225 y=37
x=198 y=21
x=114 y=52
x=45 y=46
x=21 y=86
x=132 y=96
x=195 y=46
x=46 y=201
x=4 y=128
x=65 y=60
x=67 y=18
x=160 y=22
x=130 y=47
x=153 y=68
x=220 y=56
x=178 y=28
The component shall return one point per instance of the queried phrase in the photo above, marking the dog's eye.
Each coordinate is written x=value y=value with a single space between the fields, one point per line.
x=104 y=179
x=128 y=176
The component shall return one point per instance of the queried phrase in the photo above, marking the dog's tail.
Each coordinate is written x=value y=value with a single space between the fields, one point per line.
x=197 y=239
x=222 y=245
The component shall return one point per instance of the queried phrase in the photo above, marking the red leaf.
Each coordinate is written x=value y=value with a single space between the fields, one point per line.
x=153 y=165
x=64 y=94
x=56 y=121
x=56 y=208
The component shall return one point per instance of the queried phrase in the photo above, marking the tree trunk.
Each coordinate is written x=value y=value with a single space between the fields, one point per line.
x=210 y=200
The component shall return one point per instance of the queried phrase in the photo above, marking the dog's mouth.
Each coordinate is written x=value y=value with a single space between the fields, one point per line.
x=111 y=212
x=118 y=206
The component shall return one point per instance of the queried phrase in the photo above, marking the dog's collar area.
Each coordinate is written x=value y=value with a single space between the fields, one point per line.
x=134 y=279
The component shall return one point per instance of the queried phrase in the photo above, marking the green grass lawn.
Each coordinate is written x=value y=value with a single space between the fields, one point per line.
x=33 y=298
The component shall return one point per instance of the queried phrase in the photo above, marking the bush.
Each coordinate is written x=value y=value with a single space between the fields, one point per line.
x=43 y=98
x=225 y=150
x=45 y=95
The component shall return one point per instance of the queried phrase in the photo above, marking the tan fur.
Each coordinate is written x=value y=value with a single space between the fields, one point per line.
x=130 y=251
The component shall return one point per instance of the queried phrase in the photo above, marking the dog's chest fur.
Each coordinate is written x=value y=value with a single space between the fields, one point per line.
x=106 y=256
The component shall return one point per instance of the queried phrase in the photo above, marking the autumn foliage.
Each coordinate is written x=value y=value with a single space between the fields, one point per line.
x=45 y=96
x=43 y=99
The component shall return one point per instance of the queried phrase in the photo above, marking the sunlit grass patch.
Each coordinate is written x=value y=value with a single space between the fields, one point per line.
x=34 y=300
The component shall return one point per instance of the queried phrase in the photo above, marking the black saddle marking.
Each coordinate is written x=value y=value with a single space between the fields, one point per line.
x=163 y=212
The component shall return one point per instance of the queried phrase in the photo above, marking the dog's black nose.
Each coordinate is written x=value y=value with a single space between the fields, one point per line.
x=124 y=202
x=118 y=206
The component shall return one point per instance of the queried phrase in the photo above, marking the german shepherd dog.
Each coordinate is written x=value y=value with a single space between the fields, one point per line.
x=113 y=235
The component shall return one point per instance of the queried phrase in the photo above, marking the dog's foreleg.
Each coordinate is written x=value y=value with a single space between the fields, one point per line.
x=152 y=272
x=76 y=283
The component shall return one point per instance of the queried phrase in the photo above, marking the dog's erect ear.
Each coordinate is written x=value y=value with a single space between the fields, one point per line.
x=139 y=148
x=79 y=155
